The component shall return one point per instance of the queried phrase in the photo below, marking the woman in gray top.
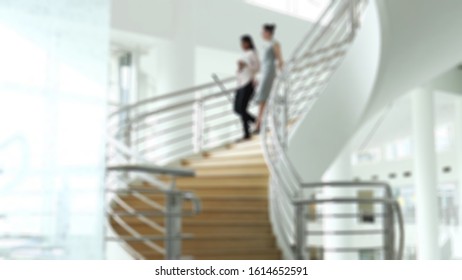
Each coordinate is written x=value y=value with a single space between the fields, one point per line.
x=270 y=61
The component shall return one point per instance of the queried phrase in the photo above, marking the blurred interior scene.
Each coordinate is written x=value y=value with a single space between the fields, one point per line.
x=231 y=129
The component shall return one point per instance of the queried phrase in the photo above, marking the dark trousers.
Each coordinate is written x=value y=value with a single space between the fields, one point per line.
x=241 y=102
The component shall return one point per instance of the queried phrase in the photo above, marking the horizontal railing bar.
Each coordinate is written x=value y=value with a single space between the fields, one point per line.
x=216 y=104
x=335 y=55
x=136 y=234
x=137 y=190
x=144 y=238
x=154 y=204
x=359 y=184
x=186 y=144
x=313 y=30
x=345 y=215
x=150 y=213
x=223 y=135
x=171 y=140
x=346 y=232
x=179 y=153
x=169 y=96
x=166 y=116
x=343 y=201
x=346 y=250
x=178 y=172
x=218 y=125
x=152 y=134
x=167 y=128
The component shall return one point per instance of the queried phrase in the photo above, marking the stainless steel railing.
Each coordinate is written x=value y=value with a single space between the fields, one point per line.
x=163 y=205
x=383 y=207
x=295 y=92
x=164 y=129
x=161 y=130
x=169 y=127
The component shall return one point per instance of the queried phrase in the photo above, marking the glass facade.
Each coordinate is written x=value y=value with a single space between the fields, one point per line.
x=52 y=109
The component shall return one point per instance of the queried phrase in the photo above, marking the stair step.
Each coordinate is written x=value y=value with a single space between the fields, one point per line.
x=229 y=191
x=206 y=206
x=269 y=254
x=207 y=231
x=214 y=181
x=228 y=162
x=237 y=153
x=231 y=215
x=223 y=203
x=234 y=224
x=220 y=191
x=227 y=171
x=225 y=181
x=198 y=245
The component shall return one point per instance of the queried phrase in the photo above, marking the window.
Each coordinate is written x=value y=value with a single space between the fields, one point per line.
x=399 y=149
x=369 y=156
x=403 y=148
x=443 y=138
x=309 y=10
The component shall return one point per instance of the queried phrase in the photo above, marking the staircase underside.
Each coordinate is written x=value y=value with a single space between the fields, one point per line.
x=232 y=184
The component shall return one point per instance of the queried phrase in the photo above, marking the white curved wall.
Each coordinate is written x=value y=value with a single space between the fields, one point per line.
x=420 y=40
x=312 y=146
x=402 y=44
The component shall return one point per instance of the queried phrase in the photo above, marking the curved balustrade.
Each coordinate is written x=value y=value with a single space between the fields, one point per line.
x=168 y=127
x=164 y=129
x=143 y=138
x=295 y=92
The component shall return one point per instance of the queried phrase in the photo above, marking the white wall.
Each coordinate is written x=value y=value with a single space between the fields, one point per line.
x=313 y=146
x=420 y=41
x=216 y=27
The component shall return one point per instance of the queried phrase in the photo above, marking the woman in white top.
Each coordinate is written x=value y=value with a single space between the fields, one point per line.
x=247 y=67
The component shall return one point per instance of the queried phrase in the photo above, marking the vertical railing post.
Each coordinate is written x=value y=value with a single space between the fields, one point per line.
x=389 y=232
x=173 y=216
x=392 y=231
x=386 y=230
x=353 y=17
x=300 y=232
x=198 y=116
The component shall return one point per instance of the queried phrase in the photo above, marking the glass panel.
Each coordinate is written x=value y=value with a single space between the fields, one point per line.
x=53 y=109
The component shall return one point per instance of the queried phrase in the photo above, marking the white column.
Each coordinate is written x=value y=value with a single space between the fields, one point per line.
x=341 y=170
x=458 y=147
x=425 y=174
x=177 y=57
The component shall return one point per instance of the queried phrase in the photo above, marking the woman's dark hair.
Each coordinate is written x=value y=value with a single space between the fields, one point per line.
x=269 y=28
x=248 y=40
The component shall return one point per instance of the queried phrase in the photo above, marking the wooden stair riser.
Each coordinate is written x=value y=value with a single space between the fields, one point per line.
x=232 y=183
x=198 y=231
x=222 y=204
x=217 y=245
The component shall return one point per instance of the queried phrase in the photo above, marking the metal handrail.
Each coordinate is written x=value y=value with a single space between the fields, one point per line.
x=388 y=201
x=172 y=212
x=152 y=169
x=144 y=127
x=304 y=78
x=168 y=96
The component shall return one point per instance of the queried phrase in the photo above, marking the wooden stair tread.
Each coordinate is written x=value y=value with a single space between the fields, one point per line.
x=234 y=224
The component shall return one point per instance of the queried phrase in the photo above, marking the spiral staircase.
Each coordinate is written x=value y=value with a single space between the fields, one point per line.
x=179 y=188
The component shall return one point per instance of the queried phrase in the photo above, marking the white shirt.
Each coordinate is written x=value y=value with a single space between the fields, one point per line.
x=252 y=66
